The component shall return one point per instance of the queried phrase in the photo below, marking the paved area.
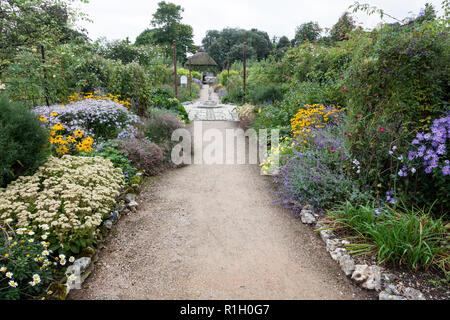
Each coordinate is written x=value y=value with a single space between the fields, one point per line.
x=209 y=108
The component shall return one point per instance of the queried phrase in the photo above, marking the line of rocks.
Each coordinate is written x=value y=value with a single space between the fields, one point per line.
x=83 y=267
x=368 y=277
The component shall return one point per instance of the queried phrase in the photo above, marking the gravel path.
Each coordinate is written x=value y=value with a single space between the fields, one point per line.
x=213 y=232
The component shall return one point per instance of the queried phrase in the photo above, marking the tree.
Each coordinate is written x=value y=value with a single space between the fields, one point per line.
x=341 y=30
x=228 y=43
x=34 y=22
x=145 y=38
x=281 y=47
x=168 y=27
x=309 y=31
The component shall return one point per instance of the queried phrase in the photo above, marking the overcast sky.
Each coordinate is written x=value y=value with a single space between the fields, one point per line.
x=118 y=19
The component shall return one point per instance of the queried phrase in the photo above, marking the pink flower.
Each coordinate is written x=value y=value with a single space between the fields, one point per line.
x=359 y=116
x=382 y=130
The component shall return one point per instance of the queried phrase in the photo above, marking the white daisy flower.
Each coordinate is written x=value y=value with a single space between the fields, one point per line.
x=13 y=283
x=9 y=275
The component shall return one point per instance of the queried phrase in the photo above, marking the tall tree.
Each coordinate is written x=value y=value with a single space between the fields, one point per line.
x=309 y=31
x=341 y=30
x=228 y=43
x=34 y=22
x=168 y=27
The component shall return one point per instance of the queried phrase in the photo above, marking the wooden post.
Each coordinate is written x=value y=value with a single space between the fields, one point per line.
x=228 y=74
x=245 y=68
x=190 y=79
x=45 y=75
x=175 y=67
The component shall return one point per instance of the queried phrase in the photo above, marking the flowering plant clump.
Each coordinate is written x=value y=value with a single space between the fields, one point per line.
x=71 y=195
x=95 y=96
x=62 y=143
x=313 y=117
x=97 y=118
x=277 y=156
x=430 y=149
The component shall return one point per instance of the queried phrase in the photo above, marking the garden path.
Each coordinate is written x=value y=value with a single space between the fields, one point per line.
x=213 y=232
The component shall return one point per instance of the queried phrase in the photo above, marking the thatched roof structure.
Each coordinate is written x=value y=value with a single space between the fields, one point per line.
x=201 y=58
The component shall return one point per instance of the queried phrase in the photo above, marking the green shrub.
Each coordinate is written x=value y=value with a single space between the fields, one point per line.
x=265 y=93
x=143 y=154
x=23 y=274
x=408 y=237
x=71 y=195
x=160 y=126
x=23 y=141
x=164 y=99
x=397 y=82
x=110 y=150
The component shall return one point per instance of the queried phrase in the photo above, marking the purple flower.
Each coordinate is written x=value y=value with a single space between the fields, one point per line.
x=420 y=136
x=378 y=212
x=428 y=170
x=412 y=155
x=446 y=170
x=393 y=201
x=441 y=149
x=427 y=136
x=415 y=141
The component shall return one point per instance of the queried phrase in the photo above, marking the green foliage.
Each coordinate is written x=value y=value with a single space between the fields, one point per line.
x=408 y=237
x=22 y=141
x=168 y=27
x=164 y=99
x=21 y=250
x=317 y=177
x=262 y=94
x=228 y=43
x=342 y=29
x=397 y=81
x=309 y=31
x=32 y=22
x=144 y=154
x=110 y=150
x=161 y=124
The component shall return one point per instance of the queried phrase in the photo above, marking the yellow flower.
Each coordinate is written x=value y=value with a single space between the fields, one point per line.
x=71 y=139
x=54 y=114
x=78 y=134
x=58 y=127
x=43 y=119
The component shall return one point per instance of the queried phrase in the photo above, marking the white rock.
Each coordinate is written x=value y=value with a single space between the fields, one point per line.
x=386 y=296
x=347 y=264
x=413 y=294
x=130 y=197
x=368 y=277
x=307 y=217
x=325 y=235
x=79 y=266
x=338 y=253
x=332 y=244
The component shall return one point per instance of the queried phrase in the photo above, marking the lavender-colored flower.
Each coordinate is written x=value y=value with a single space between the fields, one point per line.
x=446 y=170
x=441 y=149
x=378 y=212
x=428 y=170
x=420 y=136
x=427 y=136
x=412 y=155
x=415 y=141
x=394 y=201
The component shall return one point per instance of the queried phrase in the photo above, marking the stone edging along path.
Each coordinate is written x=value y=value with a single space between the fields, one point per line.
x=368 y=277
x=83 y=266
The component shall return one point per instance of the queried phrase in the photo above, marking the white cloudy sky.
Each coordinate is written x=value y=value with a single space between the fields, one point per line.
x=118 y=19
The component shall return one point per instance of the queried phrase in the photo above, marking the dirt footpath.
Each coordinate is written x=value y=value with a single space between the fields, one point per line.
x=213 y=232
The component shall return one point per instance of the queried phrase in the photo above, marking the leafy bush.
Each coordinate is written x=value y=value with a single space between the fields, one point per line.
x=163 y=99
x=25 y=267
x=23 y=141
x=397 y=81
x=143 y=154
x=160 y=126
x=98 y=116
x=246 y=114
x=317 y=177
x=408 y=237
x=71 y=195
x=267 y=93
x=110 y=150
